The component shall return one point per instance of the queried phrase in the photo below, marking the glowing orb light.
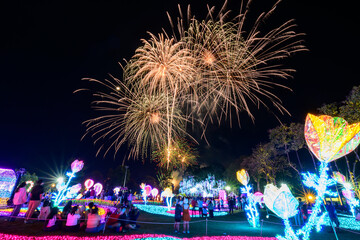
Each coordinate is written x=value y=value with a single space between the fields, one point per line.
x=98 y=187
x=7 y=183
x=89 y=183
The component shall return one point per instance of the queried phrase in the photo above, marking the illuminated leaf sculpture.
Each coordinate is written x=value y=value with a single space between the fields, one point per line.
x=280 y=201
x=339 y=177
x=328 y=138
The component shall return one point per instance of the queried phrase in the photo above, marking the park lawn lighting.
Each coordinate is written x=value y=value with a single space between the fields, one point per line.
x=328 y=138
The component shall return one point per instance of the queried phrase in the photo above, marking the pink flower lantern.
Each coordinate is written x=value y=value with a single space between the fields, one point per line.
x=76 y=166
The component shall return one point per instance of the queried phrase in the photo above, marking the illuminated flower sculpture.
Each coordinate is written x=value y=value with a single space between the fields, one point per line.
x=76 y=166
x=251 y=211
x=280 y=201
x=145 y=191
x=328 y=138
x=169 y=195
x=348 y=191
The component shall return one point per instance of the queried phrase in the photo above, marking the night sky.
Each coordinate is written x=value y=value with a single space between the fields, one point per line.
x=48 y=46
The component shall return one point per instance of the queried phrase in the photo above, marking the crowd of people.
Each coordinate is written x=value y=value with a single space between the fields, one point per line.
x=73 y=217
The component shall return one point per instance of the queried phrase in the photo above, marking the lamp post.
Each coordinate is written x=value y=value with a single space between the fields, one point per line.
x=126 y=168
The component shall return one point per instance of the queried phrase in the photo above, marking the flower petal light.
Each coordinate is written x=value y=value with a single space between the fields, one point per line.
x=280 y=201
x=243 y=176
x=330 y=138
x=76 y=166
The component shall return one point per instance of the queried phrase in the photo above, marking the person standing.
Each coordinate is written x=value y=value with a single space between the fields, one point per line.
x=186 y=216
x=200 y=206
x=231 y=205
x=20 y=198
x=35 y=199
x=211 y=209
x=178 y=210
x=332 y=214
x=193 y=204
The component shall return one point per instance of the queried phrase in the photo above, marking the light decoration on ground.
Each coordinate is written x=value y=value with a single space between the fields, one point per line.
x=145 y=191
x=169 y=195
x=29 y=185
x=163 y=210
x=207 y=188
x=154 y=192
x=328 y=138
x=348 y=191
x=7 y=183
x=127 y=237
x=250 y=208
x=76 y=166
x=98 y=187
x=116 y=190
x=88 y=183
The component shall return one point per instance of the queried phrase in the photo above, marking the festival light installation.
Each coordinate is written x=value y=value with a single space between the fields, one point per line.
x=328 y=138
x=169 y=195
x=7 y=183
x=252 y=213
x=348 y=191
x=145 y=191
x=88 y=183
x=29 y=185
x=98 y=187
x=76 y=166
x=154 y=192
x=209 y=187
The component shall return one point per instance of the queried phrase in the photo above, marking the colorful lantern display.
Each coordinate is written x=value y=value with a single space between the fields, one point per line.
x=280 y=201
x=154 y=192
x=76 y=166
x=88 y=183
x=169 y=195
x=7 y=184
x=252 y=213
x=29 y=185
x=328 y=138
x=243 y=176
x=98 y=187
x=63 y=188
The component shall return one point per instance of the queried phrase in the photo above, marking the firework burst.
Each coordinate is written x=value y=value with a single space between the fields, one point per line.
x=136 y=118
x=180 y=152
x=235 y=68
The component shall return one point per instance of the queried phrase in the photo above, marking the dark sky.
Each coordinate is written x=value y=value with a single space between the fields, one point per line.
x=48 y=46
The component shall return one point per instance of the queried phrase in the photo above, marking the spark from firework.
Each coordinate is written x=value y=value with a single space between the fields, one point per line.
x=235 y=68
x=133 y=117
x=181 y=154
x=162 y=66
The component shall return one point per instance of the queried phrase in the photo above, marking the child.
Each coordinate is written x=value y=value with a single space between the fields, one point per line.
x=204 y=212
x=52 y=223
